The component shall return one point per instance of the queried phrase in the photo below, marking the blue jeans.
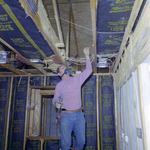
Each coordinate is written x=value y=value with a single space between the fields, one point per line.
x=72 y=122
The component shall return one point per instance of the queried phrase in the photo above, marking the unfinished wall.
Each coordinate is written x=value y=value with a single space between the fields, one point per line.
x=24 y=111
x=132 y=104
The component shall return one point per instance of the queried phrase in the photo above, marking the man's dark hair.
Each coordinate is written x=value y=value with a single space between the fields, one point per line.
x=58 y=70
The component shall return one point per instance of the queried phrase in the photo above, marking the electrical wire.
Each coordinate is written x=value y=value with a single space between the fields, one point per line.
x=19 y=81
x=31 y=104
x=80 y=61
x=86 y=28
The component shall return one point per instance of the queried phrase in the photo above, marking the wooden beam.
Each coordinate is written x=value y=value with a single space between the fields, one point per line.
x=32 y=64
x=31 y=112
x=45 y=115
x=68 y=33
x=26 y=114
x=143 y=76
x=93 y=18
x=8 y=114
x=42 y=142
x=116 y=114
x=42 y=120
x=47 y=92
x=16 y=71
x=133 y=16
x=41 y=137
x=74 y=30
x=37 y=112
x=56 y=11
x=42 y=87
x=97 y=111
x=43 y=24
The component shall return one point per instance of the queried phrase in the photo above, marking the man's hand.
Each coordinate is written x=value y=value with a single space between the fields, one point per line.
x=86 y=52
x=58 y=105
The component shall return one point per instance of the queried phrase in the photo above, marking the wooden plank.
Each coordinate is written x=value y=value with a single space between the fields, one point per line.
x=37 y=112
x=116 y=114
x=142 y=104
x=58 y=21
x=31 y=112
x=42 y=142
x=43 y=137
x=42 y=87
x=45 y=116
x=92 y=3
x=9 y=104
x=97 y=108
x=124 y=121
x=31 y=75
x=26 y=115
x=68 y=33
x=42 y=124
x=74 y=32
x=130 y=138
x=93 y=18
x=135 y=104
x=26 y=60
x=45 y=80
x=47 y=92
x=43 y=24
x=7 y=66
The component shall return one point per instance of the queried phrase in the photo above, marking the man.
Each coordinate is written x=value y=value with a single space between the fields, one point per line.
x=72 y=117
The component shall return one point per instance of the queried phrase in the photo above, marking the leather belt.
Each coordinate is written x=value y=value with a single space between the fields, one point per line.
x=70 y=111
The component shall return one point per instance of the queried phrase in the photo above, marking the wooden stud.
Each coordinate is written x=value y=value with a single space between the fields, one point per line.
x=92 y=3
x=142 y=109
x=42 y=142
x=116 y=113
x=124 y=110
x=45 y=116
x=97 y=105
x=26 y=115
x=9 y=105
x=135 y=107
x=31 y=112
x=37 y=112
x=93 y=17
x=130 y=138
x=45 y=80
x=42 y=124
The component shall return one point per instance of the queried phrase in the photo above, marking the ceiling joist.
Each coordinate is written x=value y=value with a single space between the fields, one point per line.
x=94 y=31
x=16 y=71
x=135 y=10
x=56 y=10
x=23 y=58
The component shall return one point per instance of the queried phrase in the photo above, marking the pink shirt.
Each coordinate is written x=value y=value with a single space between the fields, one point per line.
x=70 y=89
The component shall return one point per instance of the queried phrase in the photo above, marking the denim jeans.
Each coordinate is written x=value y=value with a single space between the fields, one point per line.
x=72 y=122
